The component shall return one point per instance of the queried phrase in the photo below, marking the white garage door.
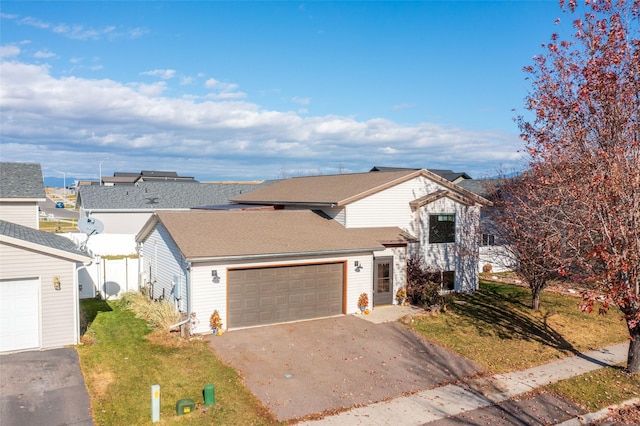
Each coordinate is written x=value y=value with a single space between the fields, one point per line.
x=19 y=315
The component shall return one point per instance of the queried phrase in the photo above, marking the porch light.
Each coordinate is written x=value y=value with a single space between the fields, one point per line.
x=56 y=283
x=358 y=265
x=214 y=276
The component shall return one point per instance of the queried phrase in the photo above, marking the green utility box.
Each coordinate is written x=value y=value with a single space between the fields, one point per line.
x=209 y=394
x=185 y=406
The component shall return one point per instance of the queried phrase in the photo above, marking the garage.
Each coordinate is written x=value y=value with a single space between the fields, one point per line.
x=260 y=296
x=19 y=318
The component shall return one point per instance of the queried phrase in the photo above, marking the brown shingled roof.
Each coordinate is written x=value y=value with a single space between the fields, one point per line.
x=220 y=234
x=339 y=190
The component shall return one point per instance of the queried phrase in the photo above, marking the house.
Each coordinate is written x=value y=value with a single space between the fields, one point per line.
x=21 y=188
x=353 y=232
x=493 y=254
x=450 y=175
x=38 y=270
x=123 y=210
x=126 y=178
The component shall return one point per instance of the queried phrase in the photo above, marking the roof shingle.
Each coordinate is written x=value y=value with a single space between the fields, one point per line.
x=21 y=180
x=220 y=234
x=35 y=236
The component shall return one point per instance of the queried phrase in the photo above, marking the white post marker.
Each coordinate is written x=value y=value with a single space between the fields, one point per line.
x=155 y=403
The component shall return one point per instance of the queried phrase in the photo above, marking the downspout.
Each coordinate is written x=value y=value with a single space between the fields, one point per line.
x=188 y=294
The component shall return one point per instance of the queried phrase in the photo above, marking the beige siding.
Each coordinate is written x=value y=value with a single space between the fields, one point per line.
x=59 y=308
x=22 y=213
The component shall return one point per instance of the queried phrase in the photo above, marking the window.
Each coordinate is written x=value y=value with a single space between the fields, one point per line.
x=488 y=240
x=448 y=280
x=442 y=228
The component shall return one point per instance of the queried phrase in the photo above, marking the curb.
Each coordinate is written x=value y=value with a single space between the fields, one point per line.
x=588 y=418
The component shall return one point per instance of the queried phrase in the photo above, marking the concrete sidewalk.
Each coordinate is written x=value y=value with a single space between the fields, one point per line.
x=450 y=400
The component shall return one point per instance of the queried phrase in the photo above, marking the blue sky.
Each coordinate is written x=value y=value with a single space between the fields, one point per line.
x=263 y=90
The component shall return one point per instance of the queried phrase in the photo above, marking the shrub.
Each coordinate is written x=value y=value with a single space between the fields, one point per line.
x=423 y=288
x=160 y=314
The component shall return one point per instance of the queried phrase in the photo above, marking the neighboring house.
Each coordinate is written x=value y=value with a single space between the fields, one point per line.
x=126 y=178
x=38 y=270
x=246 y=264
x=493 y=254
x=21 y=188
x=123 y=210
x=450 y=175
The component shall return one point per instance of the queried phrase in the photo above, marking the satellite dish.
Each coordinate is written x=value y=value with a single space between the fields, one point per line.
x=90 y=225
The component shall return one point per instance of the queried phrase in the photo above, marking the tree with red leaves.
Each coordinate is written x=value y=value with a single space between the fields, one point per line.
x=584 y=143
x=519 y=220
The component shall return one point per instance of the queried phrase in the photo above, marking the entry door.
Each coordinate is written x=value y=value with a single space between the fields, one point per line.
x=383 y=281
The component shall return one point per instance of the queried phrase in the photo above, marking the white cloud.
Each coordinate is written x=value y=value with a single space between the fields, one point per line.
x=222 y=136
x=163 y=74
x=301 y=101
x=9 y=51
x=44 y=54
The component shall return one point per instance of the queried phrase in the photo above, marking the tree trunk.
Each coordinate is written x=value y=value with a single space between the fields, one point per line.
x=535 y=298
x=633 y=359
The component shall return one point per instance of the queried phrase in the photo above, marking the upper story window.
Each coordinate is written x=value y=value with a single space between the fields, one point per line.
x=488 y=240
x=442 y=228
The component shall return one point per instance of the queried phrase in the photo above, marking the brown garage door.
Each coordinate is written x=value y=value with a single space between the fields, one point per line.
x=261 y=296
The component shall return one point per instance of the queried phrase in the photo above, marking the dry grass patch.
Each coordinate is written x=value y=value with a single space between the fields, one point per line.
x=496 y=328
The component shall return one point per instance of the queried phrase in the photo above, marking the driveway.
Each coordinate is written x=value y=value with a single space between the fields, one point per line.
x=306 y=368
x=43 y=388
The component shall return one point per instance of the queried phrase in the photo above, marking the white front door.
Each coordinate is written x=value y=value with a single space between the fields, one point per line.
x=19 y=314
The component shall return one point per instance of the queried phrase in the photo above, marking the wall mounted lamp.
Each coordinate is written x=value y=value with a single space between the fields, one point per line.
x=358 y=265
x=214 y=276
x=56 y=283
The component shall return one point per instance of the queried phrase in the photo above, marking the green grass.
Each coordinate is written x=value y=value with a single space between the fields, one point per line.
x=599 y=388
x=122 y=358
x=496 y=328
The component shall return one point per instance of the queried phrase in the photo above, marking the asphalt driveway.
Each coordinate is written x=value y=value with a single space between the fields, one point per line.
x=43 y=388
x=313 y=367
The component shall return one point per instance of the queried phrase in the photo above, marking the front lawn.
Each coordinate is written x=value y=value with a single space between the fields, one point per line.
x=599 y=388
x=496 y=328
x=122 y=358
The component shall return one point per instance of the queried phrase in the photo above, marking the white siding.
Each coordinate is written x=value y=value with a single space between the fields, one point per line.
x=498 y=257
x=163 y=266
x=208 y=296
x=399 y=267
x=389 y=207
x=59 y=308
x=22 y=213
x=461 y=256
x=120 y=222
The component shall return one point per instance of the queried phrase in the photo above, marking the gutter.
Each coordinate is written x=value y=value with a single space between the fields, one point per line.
x=283 y=255
x=188 y=291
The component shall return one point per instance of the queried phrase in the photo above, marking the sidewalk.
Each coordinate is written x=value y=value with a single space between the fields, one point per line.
x=438 y=403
